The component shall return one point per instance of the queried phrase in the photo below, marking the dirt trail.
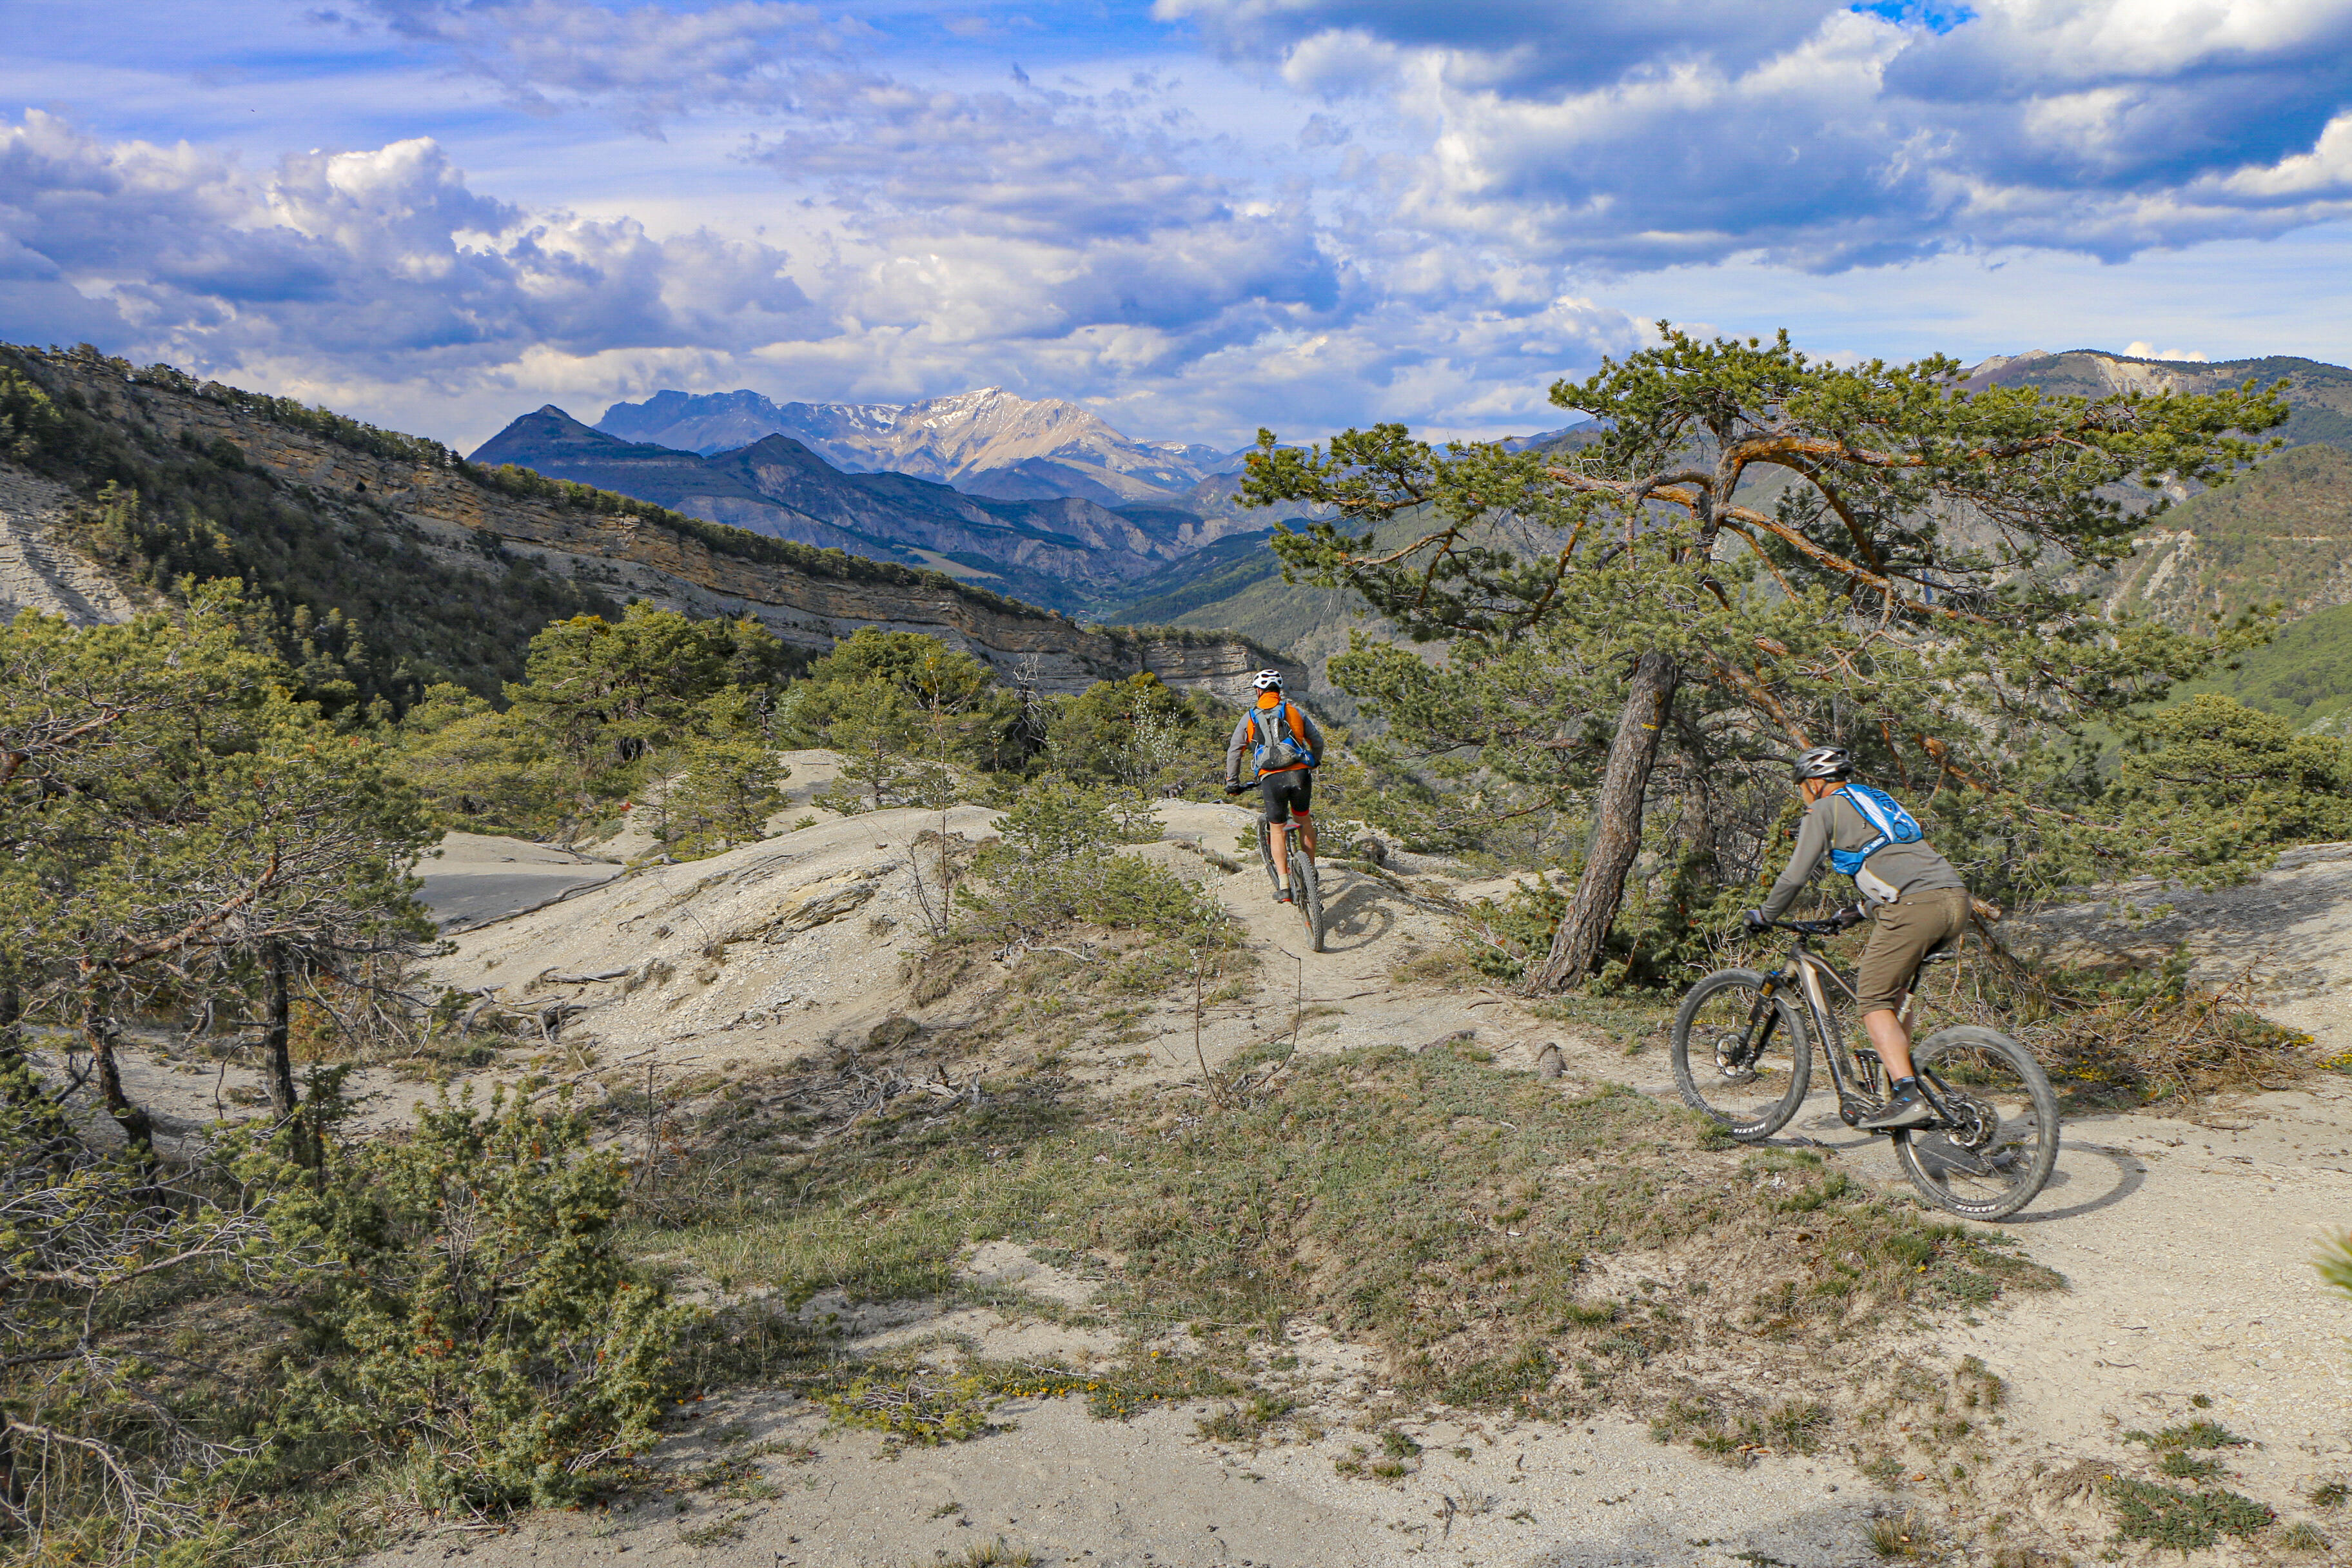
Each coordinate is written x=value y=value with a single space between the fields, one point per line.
x=2186 y=1245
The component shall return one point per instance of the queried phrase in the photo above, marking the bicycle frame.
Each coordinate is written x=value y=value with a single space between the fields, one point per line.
x=1856 y=1073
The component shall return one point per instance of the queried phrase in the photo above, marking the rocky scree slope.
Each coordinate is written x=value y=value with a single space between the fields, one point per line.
x=2277 y=535
x=455 y=566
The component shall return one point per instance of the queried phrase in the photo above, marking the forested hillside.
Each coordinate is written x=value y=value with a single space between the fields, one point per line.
x=388 y=563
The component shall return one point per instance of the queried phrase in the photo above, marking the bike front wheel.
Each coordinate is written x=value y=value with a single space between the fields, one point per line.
x=2001 y=1144
x=1741 y=1055
x=1306 y=892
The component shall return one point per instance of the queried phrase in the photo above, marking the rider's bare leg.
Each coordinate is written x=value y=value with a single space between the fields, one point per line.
x=1305 y=832
x=1280 y=834
x=1891 y=1040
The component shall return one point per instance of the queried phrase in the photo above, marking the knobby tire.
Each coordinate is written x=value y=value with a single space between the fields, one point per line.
x=1732 y=995
x=1306 y=894
x=2009 y=1170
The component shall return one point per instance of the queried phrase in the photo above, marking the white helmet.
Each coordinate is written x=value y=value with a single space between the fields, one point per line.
x=1268 y=680
x=1824 y=763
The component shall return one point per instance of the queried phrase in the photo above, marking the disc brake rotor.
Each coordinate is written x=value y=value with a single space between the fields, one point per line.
x=1975 y=1124
x=1730 y=1061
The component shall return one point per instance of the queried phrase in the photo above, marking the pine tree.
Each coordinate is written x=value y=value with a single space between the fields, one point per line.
x=1759 y=552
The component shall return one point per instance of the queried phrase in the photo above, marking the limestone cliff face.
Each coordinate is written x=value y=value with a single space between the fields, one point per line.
x=807 y=598
x=37 y=570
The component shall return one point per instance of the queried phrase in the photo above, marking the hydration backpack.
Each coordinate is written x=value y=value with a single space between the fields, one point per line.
x=1882 y=811
x=1277 y=751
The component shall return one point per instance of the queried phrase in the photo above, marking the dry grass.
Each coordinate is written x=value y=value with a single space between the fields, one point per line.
x=1466 y=1220
x=2139 y=1037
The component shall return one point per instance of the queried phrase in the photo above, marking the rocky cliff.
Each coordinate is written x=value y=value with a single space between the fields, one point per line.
x=354 y=489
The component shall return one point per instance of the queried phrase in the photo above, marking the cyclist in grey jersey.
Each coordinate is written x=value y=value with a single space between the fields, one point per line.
x=1916 y=900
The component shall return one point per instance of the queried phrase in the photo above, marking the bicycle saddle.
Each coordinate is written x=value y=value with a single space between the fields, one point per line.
x=1947 y=948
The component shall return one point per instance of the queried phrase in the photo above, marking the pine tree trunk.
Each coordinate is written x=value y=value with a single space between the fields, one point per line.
x=101 y=1032
x=1617 y=827
x=277 y=1060
x=277 y=1033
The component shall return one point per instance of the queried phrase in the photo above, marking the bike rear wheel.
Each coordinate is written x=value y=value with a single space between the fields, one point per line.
x=1741 y=1057
x=1997 y=1157
x=1307 y=893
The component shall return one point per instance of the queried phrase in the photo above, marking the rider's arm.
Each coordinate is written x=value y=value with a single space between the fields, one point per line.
x=1812 y=843
x=1234 y=749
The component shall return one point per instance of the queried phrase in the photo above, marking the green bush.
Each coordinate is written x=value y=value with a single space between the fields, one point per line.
x=469 y=1308
x=1054 y=866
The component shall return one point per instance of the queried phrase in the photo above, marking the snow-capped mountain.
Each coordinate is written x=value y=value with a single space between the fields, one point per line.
x=990 y=442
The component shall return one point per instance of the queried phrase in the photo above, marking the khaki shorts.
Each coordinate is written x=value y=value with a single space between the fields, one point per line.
x=1900 y=934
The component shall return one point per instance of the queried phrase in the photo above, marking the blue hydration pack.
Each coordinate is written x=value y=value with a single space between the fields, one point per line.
x=1277 y=750
x=1882 y=811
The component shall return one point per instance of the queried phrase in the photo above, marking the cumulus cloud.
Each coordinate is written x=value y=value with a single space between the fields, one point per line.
x=1386 y=209
x=1824 y=136
x=383 y=263
x=650 y=62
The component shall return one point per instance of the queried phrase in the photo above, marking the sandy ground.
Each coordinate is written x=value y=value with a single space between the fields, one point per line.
x=472 y=879
x=2186 y=1244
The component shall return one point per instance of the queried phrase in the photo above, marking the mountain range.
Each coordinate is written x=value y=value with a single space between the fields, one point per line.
x=989 y=442
x=1066 y=553
x=1044 y=501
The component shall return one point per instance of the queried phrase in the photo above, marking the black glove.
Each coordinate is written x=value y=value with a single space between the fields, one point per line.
x=1235 y=788
x=1753 y=923
x=1846 y=920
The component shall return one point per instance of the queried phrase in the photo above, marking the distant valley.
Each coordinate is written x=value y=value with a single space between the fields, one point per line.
x=386 y=563
x=1066 y=551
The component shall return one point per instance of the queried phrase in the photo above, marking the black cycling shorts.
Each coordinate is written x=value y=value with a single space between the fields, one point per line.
x=1286 y=793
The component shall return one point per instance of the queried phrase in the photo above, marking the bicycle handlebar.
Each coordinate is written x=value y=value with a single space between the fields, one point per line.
x=1843 y=921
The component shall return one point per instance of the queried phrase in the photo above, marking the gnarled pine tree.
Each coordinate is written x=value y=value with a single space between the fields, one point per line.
x=1877 y=554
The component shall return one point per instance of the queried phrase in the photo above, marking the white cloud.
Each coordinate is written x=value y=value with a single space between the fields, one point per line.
x=1822 y=137
x=650 y=62
x=1358 y=209
x=379 y=266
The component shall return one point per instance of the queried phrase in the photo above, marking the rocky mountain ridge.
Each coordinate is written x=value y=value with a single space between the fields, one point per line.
x=1062 y=552
x=412 y=508
x=2319 y=394
x=988 y=442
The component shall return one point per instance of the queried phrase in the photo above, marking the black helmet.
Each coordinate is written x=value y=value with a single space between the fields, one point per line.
x=1824 y=763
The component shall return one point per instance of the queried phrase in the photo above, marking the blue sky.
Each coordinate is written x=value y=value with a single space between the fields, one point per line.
x=1194 y=216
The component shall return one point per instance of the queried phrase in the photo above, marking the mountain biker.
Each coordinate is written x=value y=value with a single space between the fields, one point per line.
x=1287 y=747
x=1915 y=900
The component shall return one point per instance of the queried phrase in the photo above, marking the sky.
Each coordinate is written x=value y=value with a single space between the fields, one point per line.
x=1195 y=217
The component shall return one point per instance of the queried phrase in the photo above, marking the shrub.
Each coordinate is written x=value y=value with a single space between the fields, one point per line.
x=1054 y=866
x=469 y=1308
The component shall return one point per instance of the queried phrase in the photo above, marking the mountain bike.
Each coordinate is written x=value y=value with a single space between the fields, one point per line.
x=1305 y=886
x=1743 y=1056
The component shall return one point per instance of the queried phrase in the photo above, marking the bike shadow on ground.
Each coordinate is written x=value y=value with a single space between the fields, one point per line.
x=2080 y=1165
x=1358 y=915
